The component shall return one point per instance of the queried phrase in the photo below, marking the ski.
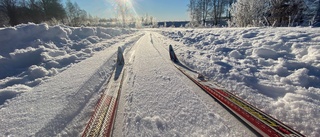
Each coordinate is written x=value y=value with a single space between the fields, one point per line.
x=258 y=120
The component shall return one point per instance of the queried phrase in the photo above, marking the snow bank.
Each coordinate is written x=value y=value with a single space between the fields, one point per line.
x=57 y=86
x=31 y=53
x=275 y=69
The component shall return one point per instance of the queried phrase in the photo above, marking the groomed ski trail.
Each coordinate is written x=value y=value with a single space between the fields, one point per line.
x=69 y=96
x=158 y=100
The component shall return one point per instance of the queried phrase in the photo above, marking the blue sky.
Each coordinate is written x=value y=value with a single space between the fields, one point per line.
x=162 y=10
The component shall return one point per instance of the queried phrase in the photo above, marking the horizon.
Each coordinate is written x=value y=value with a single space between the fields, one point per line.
x=163 y=11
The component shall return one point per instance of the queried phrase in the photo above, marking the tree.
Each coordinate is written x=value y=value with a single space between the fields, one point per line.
x=192 y=10
x=278 y=12
x=217 y=10
x=249 y=12
x=123 y=12
x=35 y=11
x=317 y=15
x=203 y=11
x=30 y=11
x=9 y=9
x=75 y=15
x=230 y=2
x=52 y=9
x=312 y=12
x=146 y=20
x=3 y=19
x=287 y=12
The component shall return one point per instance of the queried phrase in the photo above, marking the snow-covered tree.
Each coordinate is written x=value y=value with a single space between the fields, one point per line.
x=276 y=12
x=286 y=12
x=230 y=2
x=123 y=12
x=249 y=12
x=312 y=12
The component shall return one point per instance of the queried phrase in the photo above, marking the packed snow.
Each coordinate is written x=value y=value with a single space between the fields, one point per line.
x=160 y=101
x=52 y=76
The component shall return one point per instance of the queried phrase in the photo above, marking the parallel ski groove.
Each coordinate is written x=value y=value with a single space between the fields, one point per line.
x=257 y=119
x=102 y=121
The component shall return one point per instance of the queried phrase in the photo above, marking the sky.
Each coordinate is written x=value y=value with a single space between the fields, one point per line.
x=162 y=10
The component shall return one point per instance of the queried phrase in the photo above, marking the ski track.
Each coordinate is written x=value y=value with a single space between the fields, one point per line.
x=157 y=100
x=275 y=69
x=71 y=97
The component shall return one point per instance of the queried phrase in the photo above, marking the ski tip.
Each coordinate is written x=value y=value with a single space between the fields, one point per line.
x=120 y=58
x=173 y=56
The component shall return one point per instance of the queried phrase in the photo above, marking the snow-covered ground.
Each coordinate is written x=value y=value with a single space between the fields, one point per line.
x=33 y=53
x=50 y=78
x=158 y=100
x=275 y=69
x=36 y=101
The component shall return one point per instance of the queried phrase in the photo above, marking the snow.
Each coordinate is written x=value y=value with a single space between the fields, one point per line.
x=52 y=76
x=265 y=53
x=50 y=96
x=275 y=69
x=159 y=102
x=32 y=53
x=235 y=54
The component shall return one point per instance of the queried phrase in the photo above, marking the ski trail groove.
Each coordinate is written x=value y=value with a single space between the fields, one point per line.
x=159 y=100
x=259 y=121
x=102 y=121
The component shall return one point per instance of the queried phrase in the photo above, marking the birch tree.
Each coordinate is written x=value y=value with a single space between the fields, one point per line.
x=203 y=11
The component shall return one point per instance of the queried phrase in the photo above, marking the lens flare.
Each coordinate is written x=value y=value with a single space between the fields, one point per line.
x=129 y=5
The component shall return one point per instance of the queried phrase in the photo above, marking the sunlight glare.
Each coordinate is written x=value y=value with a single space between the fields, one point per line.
x=130 y=6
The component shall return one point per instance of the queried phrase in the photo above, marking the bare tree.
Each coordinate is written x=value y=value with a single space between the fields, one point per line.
x=199 y=10
x=76 y=16
x=230 y=2
x=192 y=10
x=203 y=11
x=218 y=7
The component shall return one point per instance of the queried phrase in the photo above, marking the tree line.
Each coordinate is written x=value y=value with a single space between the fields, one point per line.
x=234 y=13
x=208 y=11
x=243 y=13
x=13 y=12
x=53 y=12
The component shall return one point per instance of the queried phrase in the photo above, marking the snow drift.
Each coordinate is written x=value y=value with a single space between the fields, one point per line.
x=51 y=77
x=31 y=53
